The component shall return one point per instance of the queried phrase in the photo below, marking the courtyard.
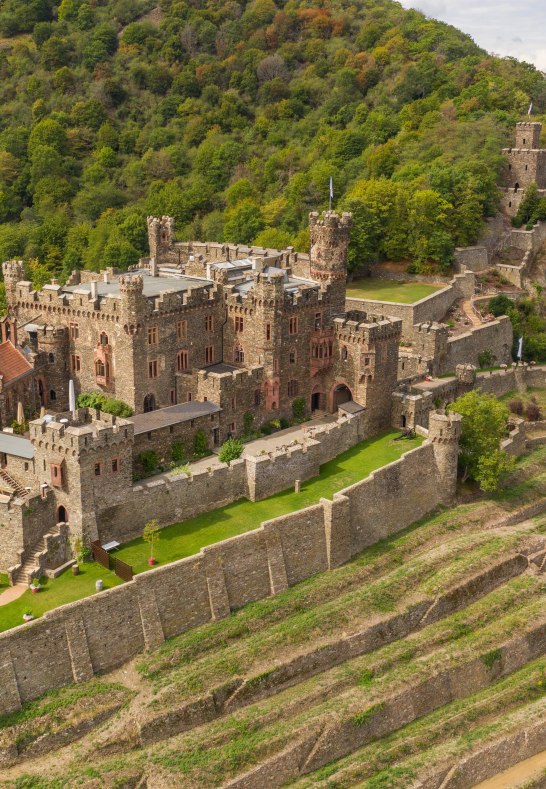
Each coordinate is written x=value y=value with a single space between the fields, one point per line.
x=187 y=538
x=389 y=290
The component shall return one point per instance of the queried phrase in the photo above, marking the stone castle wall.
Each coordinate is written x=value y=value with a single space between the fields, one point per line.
x=431 y=308
x=97 y=634
x=495 y=337
x=170 y=498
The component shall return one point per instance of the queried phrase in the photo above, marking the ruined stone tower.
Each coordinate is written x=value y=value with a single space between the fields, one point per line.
x=329 y=243
x=13 y=273
x=444 y=432
x=526 y=164
x=161 y=238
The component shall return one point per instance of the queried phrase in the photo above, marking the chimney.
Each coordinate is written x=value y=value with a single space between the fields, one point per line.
x=105 y=277
x=94 y=290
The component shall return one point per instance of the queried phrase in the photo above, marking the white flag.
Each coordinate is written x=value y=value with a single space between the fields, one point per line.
x=530 y=109
x=331 y=189
x=520 y=348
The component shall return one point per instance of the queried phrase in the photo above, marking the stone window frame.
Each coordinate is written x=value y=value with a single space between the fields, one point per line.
x=293 y=325
x=74 y=330
x=182 y=330
x=318 y=321
x=182 y=361
x=239 y=324
x=238 y=355
x=344 y=353
x=76 y=362
x=104 y=339
x=115 y=465
x=293 y=356
x=98 y=468
x=153 y=369
x=173 y=396
x=267 y=331
x=233 y=403
x=153 y=335
x=209 y=323
x=293 y=387
x=209 y=354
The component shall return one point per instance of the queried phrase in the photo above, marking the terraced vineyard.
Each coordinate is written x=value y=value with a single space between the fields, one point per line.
x=421 y=663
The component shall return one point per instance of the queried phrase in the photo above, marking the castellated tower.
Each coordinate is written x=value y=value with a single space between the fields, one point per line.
x=526 y=164
x=131 y=290
x=528 y=135
x=161 y=237
x=13 y=273
x=329 y=242
x=444 y=432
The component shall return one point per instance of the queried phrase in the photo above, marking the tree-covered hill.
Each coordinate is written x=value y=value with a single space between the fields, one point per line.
x=231 y=116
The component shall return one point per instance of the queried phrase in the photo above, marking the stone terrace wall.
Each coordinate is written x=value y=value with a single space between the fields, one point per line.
x=170 y=498
x=75 y=641
x=500 y=382
x=431 y=308
x=495 y=337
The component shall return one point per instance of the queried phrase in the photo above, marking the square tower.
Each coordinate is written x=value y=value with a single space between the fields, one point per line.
x=528 y=135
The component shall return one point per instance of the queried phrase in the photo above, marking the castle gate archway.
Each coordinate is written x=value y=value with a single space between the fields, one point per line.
x=340 y=394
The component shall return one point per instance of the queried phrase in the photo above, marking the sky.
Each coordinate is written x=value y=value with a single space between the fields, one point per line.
x=516 y=28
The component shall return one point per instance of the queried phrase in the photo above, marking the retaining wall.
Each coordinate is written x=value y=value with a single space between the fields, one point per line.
x=170 y=498
x=71 y=643
x=431 y=308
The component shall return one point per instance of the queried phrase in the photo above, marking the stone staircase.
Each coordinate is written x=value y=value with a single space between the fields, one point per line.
x=7 y=481
x=31 y=566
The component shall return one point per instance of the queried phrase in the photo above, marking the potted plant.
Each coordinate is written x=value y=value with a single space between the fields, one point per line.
x=28 y=616
x=151 y=536
x=35 y=586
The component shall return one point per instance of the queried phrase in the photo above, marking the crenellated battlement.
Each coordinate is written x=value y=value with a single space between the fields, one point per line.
x=85 y=430
x=372 y=329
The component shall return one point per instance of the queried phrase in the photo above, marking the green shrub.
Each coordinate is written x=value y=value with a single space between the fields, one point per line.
x=109 y=405
x=149 y=461
x=485 y=359
x=248 y=420
x=200 y=444
x=363 y=717
x=298 y=408
x=499 y=305
x=490 y=658
x=232 y=449
x=178 y=452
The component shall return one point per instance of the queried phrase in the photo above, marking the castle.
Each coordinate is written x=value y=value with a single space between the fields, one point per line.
x=525 y=164
x=211 y=340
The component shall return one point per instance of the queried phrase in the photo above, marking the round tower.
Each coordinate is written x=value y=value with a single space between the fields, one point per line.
x=444 y=431
x=13 y=273
x=131 y=289
x=328 y=258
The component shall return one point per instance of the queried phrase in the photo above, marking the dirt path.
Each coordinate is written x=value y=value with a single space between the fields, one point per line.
x=12 y=593
x=534 y=767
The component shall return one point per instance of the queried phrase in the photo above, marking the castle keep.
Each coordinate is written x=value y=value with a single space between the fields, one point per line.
x=525 y=164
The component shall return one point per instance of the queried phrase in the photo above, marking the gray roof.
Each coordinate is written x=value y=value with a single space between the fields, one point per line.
x=173 y=415
x=153 y=286
x=351 y=407
x=12 y=444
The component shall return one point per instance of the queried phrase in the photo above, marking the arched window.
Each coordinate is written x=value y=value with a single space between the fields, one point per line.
x=344 y=353
x=51 y=358
x=239 y=355
x=149 y=403
x=103 y=339
x=62 y=514
x=53 y=395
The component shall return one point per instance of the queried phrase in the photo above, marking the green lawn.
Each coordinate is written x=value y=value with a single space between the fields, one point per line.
x=388 y=290
x=64 y=589
x=187 y=538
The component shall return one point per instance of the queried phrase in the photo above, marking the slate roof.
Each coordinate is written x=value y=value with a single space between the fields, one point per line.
x=12 y=444
x=12 y=362
x=174 y=414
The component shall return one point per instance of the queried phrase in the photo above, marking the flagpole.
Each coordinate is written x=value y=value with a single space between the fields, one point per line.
x=331 y=194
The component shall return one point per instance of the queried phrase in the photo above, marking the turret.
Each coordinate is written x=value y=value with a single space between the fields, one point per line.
x=160 y=236
x=13 y=273
x=329 y=243
x=444 y=432
x=131 y=289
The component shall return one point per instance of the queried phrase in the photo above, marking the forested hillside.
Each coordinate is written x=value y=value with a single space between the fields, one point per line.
x=231 y=116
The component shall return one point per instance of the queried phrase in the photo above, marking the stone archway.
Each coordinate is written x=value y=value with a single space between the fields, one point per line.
x=317 y=400
x=340 y=394
x=149 y=403
x=62 y=514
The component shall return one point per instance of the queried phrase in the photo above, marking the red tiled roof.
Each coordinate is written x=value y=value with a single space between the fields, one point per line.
x=12 y=362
